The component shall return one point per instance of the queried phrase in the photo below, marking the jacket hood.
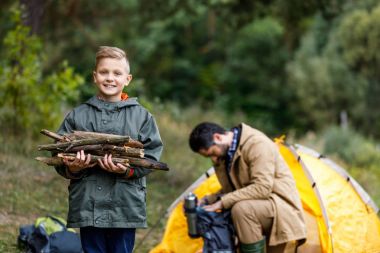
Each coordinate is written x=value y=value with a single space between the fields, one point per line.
x=100 y=104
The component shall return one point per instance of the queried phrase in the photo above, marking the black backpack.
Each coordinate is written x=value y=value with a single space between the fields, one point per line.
x=217 y=231
x=49 y=235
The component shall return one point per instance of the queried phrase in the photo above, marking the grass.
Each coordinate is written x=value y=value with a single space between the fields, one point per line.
x=29 y=189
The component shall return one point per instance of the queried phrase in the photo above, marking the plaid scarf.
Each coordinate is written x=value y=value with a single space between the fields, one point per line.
x=231 y=151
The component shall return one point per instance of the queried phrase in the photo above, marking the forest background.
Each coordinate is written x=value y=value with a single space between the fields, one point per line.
x=306 y=69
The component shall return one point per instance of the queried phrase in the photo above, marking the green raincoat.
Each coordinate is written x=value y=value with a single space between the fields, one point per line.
x=100 y=198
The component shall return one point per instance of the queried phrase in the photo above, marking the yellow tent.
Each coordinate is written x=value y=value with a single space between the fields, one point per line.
x=339 y=214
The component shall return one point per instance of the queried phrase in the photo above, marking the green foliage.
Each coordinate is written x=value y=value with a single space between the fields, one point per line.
x=260 y=58
x=254 y=57
x=323 y=84
x=360 y=36
x=340 y=70
x=351 y=147
x=359 y=33
x=29 y=99
x=254 y=72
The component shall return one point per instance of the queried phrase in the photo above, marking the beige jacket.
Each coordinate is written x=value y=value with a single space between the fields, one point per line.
x=258 y=171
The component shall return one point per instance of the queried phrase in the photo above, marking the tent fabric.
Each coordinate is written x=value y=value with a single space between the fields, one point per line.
x=353 y=222
x=340 y=216
x=363 y=194
x=175 y=238
x=310 y=199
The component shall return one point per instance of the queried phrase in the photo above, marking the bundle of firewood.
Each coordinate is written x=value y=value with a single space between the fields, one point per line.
x=124 y=149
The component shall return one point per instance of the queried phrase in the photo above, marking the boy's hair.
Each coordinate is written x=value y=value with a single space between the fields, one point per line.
x=111 y=52
x=202 y=135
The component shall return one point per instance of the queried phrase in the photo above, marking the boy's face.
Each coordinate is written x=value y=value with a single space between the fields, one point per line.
x=110 y=77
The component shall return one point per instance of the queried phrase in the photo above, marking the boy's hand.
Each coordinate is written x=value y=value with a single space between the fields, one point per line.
x=79 y=163
x=107 y=164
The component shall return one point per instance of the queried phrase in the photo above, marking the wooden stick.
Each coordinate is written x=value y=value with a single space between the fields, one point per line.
x=100 y=149
x=124 y=151
x=134 y=144
x=94 y=158
x=130 y=161
x=57 y=160
x=51 y=161
x=53 y=135
x=147 y=163
x=88 y=135
x=78 y=135
x=140 y=162
x=68 y=145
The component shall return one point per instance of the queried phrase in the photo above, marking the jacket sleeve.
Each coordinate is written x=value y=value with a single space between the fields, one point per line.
x=260 y=157
x=151 y=139
x=68 y=126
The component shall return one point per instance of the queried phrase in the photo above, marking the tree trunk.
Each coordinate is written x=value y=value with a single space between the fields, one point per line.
x=34 y=10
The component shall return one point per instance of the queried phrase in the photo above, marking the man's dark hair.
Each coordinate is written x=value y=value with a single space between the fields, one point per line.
x=202 y=135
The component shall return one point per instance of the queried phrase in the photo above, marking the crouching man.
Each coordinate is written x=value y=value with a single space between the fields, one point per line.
x=257 y=185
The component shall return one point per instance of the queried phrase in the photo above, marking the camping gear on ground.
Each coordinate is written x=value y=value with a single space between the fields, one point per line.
x=215 y=228
x=340 y=216
x=190 y=207
x=49 y=235
x=217 y=231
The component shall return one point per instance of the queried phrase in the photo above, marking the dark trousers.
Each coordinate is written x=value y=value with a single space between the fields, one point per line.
x=107 y=240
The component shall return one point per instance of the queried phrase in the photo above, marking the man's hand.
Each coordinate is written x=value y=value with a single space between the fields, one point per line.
x=79 y=163
x=203 y=201
x=214 y=207
x=107 y=164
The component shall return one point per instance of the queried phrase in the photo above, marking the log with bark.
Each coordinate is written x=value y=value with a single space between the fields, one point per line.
x=79 y=135
x=126 y=161
x=124 y=150
x=66 y=146
x=99 y=149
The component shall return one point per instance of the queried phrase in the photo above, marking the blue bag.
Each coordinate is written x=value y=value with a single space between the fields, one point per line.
x=49 y=235
x=217 y=231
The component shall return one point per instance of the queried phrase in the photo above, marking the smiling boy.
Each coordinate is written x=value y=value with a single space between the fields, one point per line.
x=107 y=200
x=111 y=75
